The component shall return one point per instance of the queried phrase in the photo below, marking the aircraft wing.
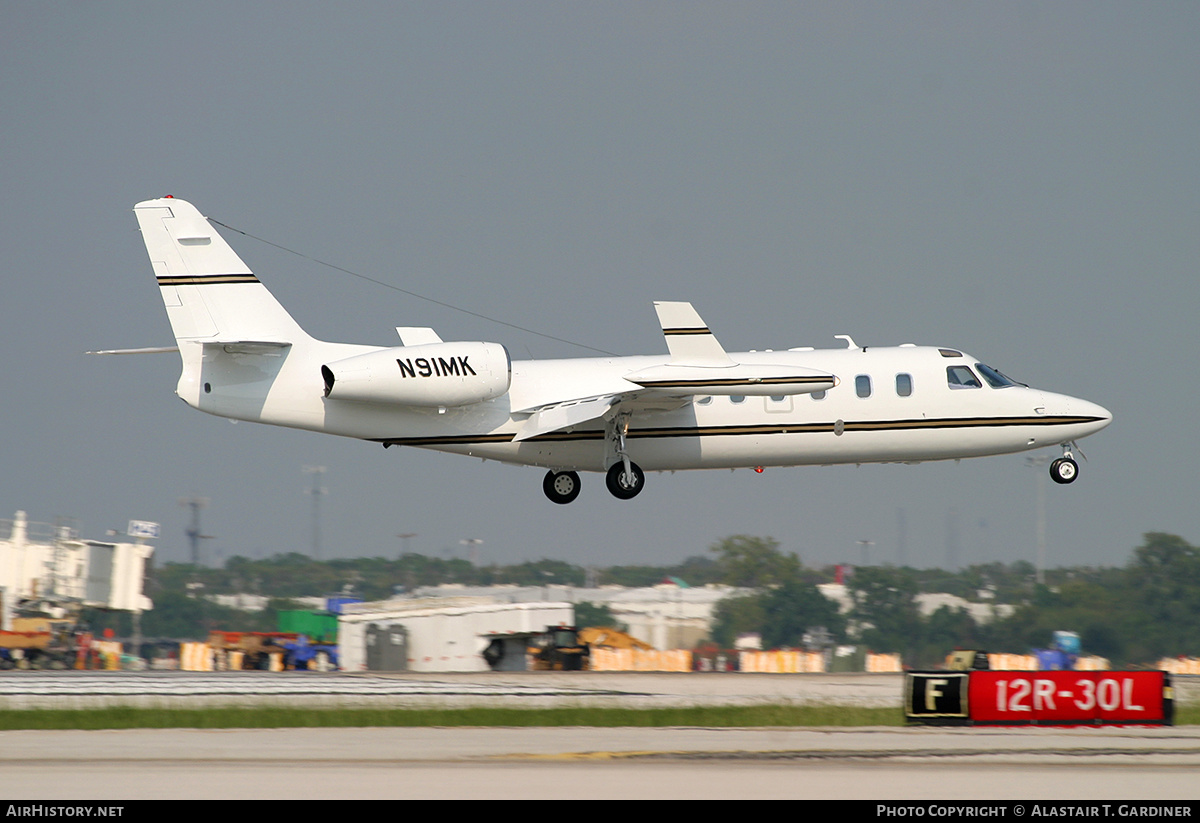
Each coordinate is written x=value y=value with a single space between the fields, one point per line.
x=698 y=365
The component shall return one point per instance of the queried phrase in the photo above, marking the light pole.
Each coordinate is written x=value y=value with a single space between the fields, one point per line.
x=193 y=532
x=316 y=492
x=404 y=538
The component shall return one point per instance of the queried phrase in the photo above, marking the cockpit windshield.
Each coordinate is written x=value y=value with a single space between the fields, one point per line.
x=996 y=379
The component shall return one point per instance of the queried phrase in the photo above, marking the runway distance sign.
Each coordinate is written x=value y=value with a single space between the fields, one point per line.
x=1052 y=698
x=1119 y=698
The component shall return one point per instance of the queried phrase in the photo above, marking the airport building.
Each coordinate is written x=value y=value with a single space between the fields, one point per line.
x=48 y=564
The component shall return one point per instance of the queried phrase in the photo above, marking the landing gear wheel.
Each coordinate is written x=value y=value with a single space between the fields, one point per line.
x=561 y=487
x=623 y=486
x=1064 y=470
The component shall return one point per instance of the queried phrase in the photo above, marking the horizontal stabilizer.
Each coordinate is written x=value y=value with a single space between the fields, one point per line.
x=269 y=347
x=151 y=350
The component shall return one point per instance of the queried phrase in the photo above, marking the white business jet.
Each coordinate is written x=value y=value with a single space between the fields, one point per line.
x=696 y=407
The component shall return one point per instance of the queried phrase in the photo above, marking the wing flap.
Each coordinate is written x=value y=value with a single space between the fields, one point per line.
x=555 y=416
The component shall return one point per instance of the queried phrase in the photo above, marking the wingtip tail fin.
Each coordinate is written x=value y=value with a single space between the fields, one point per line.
x=688 y=337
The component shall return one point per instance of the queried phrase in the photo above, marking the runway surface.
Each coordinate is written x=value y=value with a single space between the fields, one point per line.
x=23 y=689
x=551 y=763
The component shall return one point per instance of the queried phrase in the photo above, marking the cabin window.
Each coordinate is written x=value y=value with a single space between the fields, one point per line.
x=862 y=385
x=961 y=377
x=737 y=398
x=704 y=401
x=904 y=385
x=818 y=395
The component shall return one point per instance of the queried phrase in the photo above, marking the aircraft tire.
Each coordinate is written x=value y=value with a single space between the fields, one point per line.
x=618 y=484
x=1064 y=470
x=561 y=487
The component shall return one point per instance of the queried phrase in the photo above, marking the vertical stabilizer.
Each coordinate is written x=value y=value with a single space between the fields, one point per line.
x=210 y=294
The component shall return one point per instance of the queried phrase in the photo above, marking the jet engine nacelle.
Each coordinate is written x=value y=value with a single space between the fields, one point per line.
x=436 y=374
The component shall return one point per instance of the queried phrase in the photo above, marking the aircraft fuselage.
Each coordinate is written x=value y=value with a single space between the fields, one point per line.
x=854 y=422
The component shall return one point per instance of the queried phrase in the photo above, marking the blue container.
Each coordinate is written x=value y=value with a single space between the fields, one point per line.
x=334 y=604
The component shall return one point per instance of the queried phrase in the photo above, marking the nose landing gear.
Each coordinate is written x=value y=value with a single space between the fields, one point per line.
x=1064 y=470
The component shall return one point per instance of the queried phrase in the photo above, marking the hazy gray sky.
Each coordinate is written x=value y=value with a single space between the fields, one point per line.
x=1019 y=180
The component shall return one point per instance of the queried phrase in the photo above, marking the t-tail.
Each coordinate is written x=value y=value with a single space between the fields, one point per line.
x=217 y=307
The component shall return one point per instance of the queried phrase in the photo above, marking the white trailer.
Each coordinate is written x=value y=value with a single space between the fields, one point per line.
x=438 y=634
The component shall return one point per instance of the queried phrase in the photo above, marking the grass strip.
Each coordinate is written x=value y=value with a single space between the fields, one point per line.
x=283 y=717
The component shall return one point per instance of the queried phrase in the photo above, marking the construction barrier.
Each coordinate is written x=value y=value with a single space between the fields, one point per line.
x=195 y=657
x=884 y=663
x=1012 y=662
x=640 y=660
x=781 y=662
x=1180 y=665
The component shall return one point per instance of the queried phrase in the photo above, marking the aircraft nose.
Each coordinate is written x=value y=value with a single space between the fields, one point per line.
x=1092 y=417
x=1100 y=416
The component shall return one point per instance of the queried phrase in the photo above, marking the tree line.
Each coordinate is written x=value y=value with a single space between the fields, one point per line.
x=1132 y=615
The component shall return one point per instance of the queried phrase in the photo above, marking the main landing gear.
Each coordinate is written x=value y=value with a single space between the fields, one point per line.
x=625 y=479
x=561 y=487
x=1064 y=470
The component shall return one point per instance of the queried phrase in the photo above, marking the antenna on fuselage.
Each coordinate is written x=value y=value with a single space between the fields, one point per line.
x=850 y=344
